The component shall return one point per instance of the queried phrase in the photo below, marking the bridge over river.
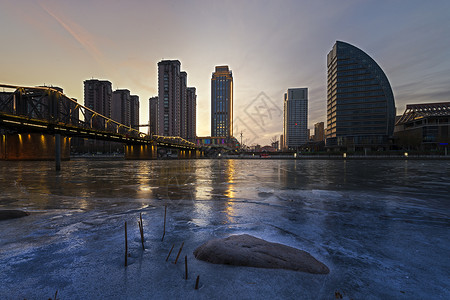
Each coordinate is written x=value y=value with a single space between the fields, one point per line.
x=37 y=123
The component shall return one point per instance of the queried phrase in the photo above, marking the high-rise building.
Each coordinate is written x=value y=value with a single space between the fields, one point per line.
x=191 y=107
x=120 y=109
x=97 y=96
x=360 y=102
x=295 y=127
x=175 y=112
x=319 y=132
x=153 y=115
x=222 y=102
x=134 y=111
x=183 y=104
x=169 y=98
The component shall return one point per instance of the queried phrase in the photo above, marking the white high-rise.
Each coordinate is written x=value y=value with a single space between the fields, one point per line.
x=295 y=123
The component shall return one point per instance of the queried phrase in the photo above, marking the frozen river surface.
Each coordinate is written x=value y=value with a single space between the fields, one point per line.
x=382 y=227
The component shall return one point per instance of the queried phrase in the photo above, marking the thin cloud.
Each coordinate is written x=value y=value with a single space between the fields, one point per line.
x=78 y=33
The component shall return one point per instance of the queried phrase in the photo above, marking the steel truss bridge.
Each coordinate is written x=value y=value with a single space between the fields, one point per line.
x=48 y=110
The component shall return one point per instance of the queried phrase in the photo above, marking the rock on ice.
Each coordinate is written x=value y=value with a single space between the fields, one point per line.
x=247 y=250
x=12 y=214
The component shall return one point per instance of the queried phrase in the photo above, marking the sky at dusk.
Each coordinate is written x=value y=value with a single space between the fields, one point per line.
x=270 y=46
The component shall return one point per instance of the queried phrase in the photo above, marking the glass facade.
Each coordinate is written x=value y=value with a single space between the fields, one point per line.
x=295 y=127
x=222 y=102
x=360 y=102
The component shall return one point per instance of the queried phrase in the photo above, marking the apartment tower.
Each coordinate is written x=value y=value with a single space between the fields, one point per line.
x=169 y=94
x=98 y=97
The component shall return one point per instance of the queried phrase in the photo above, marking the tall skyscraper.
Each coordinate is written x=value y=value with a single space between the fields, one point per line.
x=97 y=96
x=176 y=113
x=169 y=98
x=120 y=109
x=360 y=102
x=222 y=102
x=153 y=115
x=183 y=104
x=191 y=105
x=134 y=111
x=295 y=129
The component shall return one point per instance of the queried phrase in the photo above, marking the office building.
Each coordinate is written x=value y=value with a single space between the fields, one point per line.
x=360 y=102
x=295 y=127
x=222 y=102
x=191 y=107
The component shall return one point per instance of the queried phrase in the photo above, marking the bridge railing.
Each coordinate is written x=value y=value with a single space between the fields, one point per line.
x=51 y=105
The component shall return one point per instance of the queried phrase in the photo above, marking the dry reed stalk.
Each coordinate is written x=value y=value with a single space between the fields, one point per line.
x=167 y=258
x=179 y=252
x=126 y=245
x=141 y=230
x=164 y=230
x=196 y=282
x=185 y=267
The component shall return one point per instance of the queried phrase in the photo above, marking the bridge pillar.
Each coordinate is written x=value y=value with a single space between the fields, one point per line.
x=58 y=151
x=141 y=151
x=32 y=146
x=185 y=154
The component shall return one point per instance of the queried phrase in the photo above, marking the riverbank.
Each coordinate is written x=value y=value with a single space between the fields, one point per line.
x=339 y=157
x=278 y=156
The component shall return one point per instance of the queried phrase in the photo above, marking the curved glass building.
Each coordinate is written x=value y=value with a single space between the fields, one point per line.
x=360 y=103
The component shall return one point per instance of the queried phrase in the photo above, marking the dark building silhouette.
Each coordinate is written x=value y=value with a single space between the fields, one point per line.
x=169 y=94
x=134 y=111
x=125 y=108
x=191 y=121
x=174 y=111
x=360 y=102
x=153 y=115
x=183 y=104
x=98 y=97
x=120 y=108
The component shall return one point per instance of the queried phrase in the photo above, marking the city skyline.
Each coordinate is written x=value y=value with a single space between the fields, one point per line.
x=266 y=45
